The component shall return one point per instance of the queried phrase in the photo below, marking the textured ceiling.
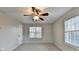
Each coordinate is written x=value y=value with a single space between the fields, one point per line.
x=18 y=12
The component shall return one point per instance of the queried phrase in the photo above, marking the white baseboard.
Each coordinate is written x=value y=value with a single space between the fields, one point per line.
x=11 y=49
x=37 y=42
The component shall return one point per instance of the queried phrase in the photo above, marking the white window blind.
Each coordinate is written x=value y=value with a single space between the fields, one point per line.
x=72 y=31
x=35 y=32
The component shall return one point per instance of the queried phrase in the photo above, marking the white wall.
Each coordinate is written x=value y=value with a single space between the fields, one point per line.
x=9 y=29
x=47 y=34
x=58 y=30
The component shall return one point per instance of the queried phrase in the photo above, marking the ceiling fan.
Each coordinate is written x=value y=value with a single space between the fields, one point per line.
x=37 y=13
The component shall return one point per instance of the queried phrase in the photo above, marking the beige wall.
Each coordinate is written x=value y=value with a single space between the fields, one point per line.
x=58 y=30
x=47 y=34
x=9 y=34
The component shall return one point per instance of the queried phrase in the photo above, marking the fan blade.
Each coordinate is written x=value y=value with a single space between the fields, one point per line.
x=44 y=14
x=38 y=11
x=33 y=9
x=27 y=15
x=41 y=18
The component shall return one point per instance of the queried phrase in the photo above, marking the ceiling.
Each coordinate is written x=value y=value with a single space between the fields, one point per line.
x=18 y=12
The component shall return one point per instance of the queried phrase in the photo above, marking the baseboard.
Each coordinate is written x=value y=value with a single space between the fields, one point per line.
x=11 y=49
x=58 y=46
x=36 y=42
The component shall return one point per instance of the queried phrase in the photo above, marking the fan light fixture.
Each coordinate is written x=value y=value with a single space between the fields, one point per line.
x=37 y=13
x=36 y=18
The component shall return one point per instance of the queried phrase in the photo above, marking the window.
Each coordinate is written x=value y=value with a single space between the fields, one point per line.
x=35 y=32
x=72 y=31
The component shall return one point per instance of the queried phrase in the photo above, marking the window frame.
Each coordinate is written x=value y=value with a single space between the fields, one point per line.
x=35 y=32
x=71 y=45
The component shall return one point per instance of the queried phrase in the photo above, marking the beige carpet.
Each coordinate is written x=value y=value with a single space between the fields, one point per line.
x=37 y=47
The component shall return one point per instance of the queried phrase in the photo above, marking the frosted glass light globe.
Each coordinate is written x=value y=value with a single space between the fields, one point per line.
x=36 y=17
